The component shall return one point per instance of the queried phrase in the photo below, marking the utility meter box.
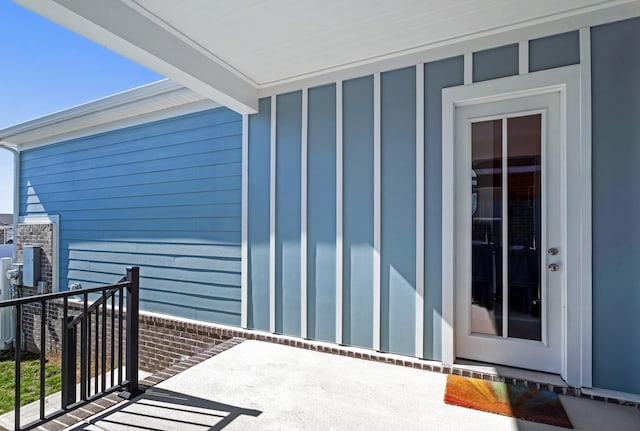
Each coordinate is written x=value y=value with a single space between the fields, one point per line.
x=31 y=265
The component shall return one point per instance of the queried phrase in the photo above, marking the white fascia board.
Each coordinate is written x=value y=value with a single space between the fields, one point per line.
x=81 y=132
x=72 y=123
x=127 y=97
x=127 y=32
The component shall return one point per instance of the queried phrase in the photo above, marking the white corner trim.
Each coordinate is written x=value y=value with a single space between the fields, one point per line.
x=523 y=57
x=55 y=221
x=566 y=81
x=16 y=191
x=586 y=219
x=468 y=68
x=244 y=251
x=303 y=211
x=419 y=343
x=272 y=219
x=339 y=214
x=377 y=196
x=448 y=228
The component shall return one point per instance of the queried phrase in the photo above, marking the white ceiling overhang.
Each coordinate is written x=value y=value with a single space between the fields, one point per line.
x=233 y=51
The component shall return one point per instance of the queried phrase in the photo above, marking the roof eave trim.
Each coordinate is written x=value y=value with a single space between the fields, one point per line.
x=127 y=97
x=146 y=42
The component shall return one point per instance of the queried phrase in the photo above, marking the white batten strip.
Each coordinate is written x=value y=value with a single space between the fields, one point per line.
x=505 y=231
x=586 y=246
x=244 y=252
x=523 y=57
x=468 y=68
x=339 y=212
x=420 y=210
x=272 y=220
x=376 y=211
x=303 y=213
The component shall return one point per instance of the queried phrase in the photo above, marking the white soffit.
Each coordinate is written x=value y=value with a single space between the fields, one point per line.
x=274 y=40
x=231 y=51
x=162 y=99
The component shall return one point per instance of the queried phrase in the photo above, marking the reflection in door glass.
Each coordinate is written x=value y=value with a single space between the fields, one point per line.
x=486 y=227
x=524 y=224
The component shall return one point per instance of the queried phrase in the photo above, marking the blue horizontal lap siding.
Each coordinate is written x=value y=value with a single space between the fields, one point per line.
x=165 y=196
x=131 y=135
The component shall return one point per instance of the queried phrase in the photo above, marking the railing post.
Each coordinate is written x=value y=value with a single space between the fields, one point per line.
x=132 y=322
x=69 y=341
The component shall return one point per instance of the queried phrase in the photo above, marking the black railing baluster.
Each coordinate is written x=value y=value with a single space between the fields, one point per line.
x=18 y=359
x=104 y=340
x=113 y=345
x=43 y=318
x=133 y=307
x=120 y=309
x=67 y=359
x=84 y=346
x=69 y=368
x=96 y=375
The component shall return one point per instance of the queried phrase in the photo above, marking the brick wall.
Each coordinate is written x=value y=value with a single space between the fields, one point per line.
x=162 y=340
x=40 y=234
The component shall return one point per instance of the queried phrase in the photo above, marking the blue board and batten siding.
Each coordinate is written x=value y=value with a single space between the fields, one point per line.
x=438 y=75
x=357 y=211
x=288 y=177
x=258 y=223
x=616 y=205
x=397 y=271
x=398 y=218
x=165 y=196
x=321 y=214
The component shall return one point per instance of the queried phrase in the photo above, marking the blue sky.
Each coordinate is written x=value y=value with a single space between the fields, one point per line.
x=46 y=68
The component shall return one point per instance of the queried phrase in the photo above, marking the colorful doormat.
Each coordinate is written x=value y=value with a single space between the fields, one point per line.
x=533 y=405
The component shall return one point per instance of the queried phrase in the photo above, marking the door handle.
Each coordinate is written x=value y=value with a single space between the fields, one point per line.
x=553 y=267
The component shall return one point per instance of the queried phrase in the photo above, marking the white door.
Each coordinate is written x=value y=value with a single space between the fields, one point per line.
x=508 y=231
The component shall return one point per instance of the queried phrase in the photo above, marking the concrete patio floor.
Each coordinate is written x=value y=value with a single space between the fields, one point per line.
x=263 y=386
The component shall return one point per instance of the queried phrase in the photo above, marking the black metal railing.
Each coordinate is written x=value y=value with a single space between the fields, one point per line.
x=92 y=325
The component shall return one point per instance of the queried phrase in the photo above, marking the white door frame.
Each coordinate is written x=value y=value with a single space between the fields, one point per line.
x=576 y=184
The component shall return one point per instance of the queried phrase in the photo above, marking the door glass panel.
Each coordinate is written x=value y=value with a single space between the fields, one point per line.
x=486 y=227
x=524 y=225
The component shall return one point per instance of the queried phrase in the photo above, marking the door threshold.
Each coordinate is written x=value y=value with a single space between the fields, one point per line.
x=511 y=372
x=608 y=394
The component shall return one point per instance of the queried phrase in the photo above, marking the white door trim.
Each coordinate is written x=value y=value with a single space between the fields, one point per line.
x=576 y=337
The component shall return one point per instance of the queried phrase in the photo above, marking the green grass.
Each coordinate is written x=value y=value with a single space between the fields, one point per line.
x=30 y=380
